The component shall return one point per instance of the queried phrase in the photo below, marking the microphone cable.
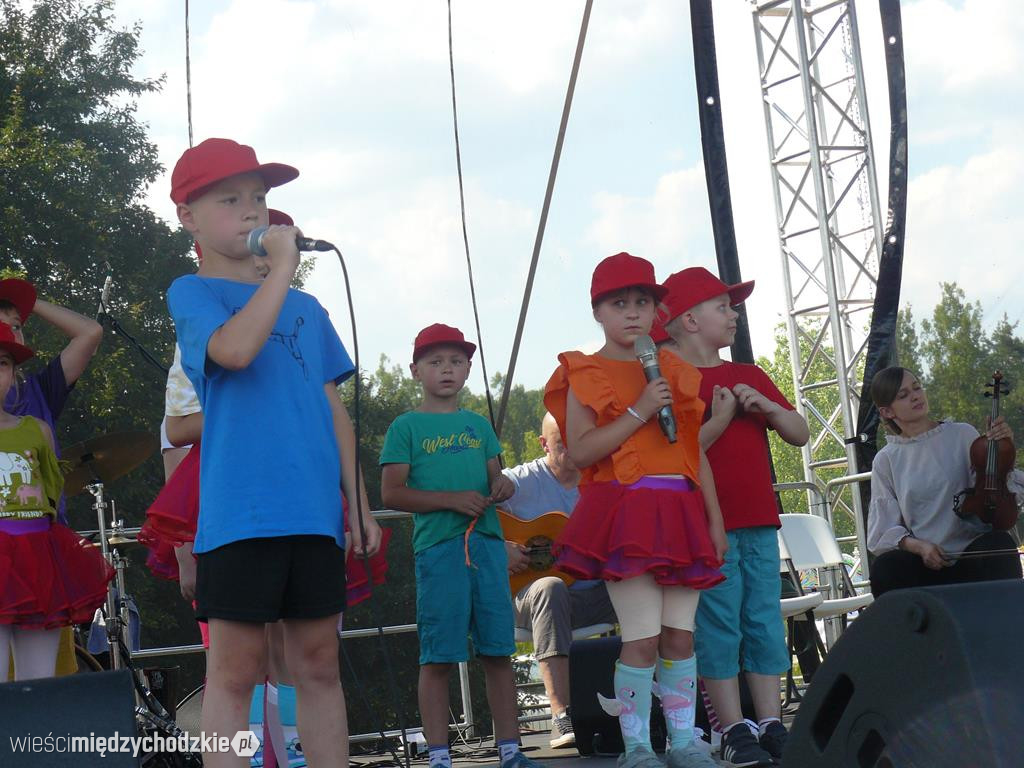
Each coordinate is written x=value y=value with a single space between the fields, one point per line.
x=356 y=505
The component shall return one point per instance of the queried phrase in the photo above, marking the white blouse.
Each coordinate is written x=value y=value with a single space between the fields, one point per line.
x=913 y=482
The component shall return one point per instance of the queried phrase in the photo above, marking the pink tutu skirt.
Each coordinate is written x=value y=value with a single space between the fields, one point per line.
x=49 y=575
x=172 y=517
x=656 y=525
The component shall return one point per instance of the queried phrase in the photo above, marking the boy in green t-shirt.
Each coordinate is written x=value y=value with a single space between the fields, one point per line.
x=441 y=463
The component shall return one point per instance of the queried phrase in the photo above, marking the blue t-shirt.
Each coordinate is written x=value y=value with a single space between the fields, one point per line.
x=269 y=460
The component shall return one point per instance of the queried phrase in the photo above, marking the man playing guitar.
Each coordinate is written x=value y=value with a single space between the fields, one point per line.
x=547 y=605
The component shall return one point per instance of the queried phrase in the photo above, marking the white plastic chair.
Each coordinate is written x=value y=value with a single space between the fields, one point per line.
x=809 y=543
x=799 y=608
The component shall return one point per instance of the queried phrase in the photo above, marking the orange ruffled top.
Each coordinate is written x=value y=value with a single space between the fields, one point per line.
x=608 y=387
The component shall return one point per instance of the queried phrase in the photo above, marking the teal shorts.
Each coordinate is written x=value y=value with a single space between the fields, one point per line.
x=455 y=601
x=739 y=622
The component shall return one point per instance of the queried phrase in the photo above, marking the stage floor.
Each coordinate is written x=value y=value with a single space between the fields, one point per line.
x=535 y=746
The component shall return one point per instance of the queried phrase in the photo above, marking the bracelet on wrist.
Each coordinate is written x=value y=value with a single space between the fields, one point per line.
x=633 y=412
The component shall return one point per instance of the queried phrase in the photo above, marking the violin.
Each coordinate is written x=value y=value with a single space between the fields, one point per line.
x=992 y=460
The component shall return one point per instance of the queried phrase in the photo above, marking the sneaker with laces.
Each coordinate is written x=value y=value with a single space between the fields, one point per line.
x=561 y=731
x=740 y=748
x=773 y=740
x=519 y=760
x=639 y=758
x=693 y=756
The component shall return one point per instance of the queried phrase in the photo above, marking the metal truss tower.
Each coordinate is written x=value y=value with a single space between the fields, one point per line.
x=829 y=217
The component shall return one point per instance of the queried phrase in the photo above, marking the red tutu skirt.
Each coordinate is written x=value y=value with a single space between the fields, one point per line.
x=172 y=517
x=49 y=575
x=357 y=576
x=656 y=525
x=357 y=579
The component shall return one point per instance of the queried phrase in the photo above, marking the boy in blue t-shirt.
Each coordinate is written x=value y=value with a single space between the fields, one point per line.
x=441 y=463
x=277 y=448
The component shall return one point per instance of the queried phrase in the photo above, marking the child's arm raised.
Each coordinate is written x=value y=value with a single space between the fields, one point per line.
x=397 y=495
x=85 y=335
x=723 y=408
x=346 y=437
x=237 y=343
x=588 y=443
x=790 y=425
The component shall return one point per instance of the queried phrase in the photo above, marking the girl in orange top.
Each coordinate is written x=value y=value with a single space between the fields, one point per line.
x=647 y=520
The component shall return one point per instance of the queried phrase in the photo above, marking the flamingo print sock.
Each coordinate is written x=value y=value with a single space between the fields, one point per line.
x=633 y=693
x=677 y=689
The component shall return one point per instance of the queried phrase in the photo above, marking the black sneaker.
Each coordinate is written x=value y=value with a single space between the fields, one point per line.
x=740 y=748
x=561 y=731
x=774 y=739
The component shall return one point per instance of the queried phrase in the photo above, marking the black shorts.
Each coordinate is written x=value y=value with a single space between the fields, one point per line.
x=268 y=579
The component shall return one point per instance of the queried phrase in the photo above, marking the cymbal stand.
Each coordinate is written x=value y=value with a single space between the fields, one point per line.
x=117 y=607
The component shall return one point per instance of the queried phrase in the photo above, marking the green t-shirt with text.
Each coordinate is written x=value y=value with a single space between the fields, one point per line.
x=445 y=452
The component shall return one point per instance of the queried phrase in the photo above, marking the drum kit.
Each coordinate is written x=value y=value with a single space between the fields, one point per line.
x=90 y=466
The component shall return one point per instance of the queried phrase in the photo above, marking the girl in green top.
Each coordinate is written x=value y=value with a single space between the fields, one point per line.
x=50 y=577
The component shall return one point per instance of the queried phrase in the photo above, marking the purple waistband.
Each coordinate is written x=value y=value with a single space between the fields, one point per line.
x=32 y=525
x=662 y=484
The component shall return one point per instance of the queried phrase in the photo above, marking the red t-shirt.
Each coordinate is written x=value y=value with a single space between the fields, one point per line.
x=739 y=458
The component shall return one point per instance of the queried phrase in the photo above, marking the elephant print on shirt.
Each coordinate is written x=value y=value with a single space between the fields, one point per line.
x=14 y=464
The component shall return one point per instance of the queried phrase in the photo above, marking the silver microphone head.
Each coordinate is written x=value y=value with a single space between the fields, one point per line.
x=645 y=350
x=255 y=241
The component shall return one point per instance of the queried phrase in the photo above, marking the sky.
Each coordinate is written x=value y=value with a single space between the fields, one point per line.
x=356 y=94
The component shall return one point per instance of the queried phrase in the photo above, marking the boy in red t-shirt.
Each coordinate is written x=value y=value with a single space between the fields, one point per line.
x=740 y=615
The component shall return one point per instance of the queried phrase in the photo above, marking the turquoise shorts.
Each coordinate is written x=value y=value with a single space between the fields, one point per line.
x=455 y=601
x=739 y=621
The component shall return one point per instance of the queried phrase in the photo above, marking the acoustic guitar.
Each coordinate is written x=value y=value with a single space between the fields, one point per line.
x=536 y=536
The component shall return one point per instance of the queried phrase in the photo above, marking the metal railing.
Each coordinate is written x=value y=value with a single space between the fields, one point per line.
x=465 y=725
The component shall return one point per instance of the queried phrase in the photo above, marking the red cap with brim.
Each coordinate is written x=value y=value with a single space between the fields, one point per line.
x=437 y=334
x=202 y=166
x=658 y=332
x=692 y=286
x=623 y=271
x=19 y=352
x=21 y=293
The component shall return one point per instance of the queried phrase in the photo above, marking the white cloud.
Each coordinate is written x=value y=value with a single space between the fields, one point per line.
x=969 y=45
x=963 y=225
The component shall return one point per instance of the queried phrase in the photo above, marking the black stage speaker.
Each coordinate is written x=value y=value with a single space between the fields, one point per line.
x=591 y=671
x=924 y=678
x=100 y=704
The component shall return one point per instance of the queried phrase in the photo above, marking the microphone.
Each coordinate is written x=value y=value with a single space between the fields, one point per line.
x=255 y=243
x=647 y=354
x=104 y=297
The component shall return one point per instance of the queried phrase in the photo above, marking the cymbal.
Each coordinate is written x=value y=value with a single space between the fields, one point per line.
x=120 y=541
x=105 y=458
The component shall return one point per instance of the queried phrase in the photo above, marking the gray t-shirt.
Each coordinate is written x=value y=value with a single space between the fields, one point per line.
x=539 y=492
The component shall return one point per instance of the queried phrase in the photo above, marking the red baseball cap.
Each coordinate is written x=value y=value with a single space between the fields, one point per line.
x=203 y=165
x=623 y=271
x=21 y=293
x=690 y=287
x=658 y=332
x=438 y=333
x=280 y=217
x=19 y=352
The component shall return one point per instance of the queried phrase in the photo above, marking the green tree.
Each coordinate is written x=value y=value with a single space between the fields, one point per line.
x=74 y=166
x=956 y=352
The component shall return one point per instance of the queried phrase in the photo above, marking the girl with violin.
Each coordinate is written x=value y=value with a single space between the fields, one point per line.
x=915 y=480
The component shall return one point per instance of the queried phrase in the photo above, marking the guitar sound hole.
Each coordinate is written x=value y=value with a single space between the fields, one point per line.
x=539 y=548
